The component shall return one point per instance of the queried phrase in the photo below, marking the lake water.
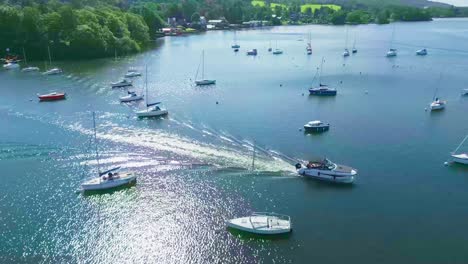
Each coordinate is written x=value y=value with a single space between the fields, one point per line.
x=195 y=166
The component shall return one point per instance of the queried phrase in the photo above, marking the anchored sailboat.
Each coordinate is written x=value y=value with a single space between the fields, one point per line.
x=322 y=89
x=203 y=81
x=52 y=71
x=152 y=109
x=108 y=179
x=461 y=158
x=28 y=68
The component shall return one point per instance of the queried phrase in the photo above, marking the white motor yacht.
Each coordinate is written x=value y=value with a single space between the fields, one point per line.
x=262 y=223
x=326 y=170
x=316 y=126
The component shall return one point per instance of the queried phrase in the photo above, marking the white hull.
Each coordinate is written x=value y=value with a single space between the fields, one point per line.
x=132 y=74
x=391 y=54
x=261 y=224
x=54 y=71
x=99 y=183
x=152 y=113
x=437 y=106
x=329 y=176
x=129 y=98
x=30 y=69
x=460 y=158
x=345 y=54
x=465 y=92
x=11 y=66
x=119 y=85
x=205 y=82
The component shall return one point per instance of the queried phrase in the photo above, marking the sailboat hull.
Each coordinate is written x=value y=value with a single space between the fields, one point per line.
x=151 y=113
x=460 y=158
x=99 y=183
x=205 y=82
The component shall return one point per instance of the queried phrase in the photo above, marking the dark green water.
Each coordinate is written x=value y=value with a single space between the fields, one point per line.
x=194 y=166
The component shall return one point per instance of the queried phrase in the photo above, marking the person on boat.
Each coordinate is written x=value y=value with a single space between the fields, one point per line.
x=110 y=176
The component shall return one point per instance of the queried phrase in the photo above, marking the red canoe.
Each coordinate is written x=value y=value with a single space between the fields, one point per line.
x=51 y=96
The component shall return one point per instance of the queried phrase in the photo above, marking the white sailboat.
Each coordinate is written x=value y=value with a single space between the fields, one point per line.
x=53 y=71
x=107 y=179
x=277 y=51
x=392 y=52
x=28 y=68
x=203 y=81
x=461 y=158
x=437 y=104
x=309 y=45
x=354 y=50
x=346 y=51
x=152 y=109
x=130 y=97
x=235 y=46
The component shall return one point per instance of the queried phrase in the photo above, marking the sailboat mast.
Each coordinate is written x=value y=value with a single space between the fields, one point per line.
x=50 y=58
x=253 y=157
x=146 y=85
x=96 y=145
x=463 y=141
x=346 y=42
x=24 y=56
x=321 y=70
x=203 y=65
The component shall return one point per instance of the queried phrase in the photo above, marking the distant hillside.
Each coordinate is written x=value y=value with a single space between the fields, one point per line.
x=379 y=3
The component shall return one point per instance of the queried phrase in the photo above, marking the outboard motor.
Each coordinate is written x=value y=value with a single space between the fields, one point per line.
x=298 y=166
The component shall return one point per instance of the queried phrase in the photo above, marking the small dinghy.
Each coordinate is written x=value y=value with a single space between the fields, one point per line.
x=121 y=83
x=51 y=96
x=316 y=126
x=325 y=170
x=132 y=96
x=262 y=223
x=132 y=73
x=253 y=52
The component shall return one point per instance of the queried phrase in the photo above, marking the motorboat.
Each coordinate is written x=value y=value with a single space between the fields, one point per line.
x=346 y=53
x=203 y=81
x=121 y=83
x=253 y=52
x=262 y=224
x=277 y=52
x=108 y=180
x=152 y=110
x=11 y=65
x=53 y=71
x=132 y=96
x=437 y=104
x=30 y=69
x=132 y=73
x=51 y=96
x=392 y=53
x=326 y=170
x=421 y=52
x=316 y=126
x=323 y=90
x=461 y=158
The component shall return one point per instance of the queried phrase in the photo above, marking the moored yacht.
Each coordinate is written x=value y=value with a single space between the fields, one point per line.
x=465 y=92
x=277 y=52
x=252 y=52
x=121 y=83
x=51 y=96
x=53 y=71
x=326 y=170
x=132 y=96
x=323 y=90
x=437 y=104
x=10 y=65
x=262 y=223
x=203 y=81
x=391 y=53
x=132 y=73
x=152 y=110
x=461 y=158
x=108 y=180
x=316 y=126
x=346 y=53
